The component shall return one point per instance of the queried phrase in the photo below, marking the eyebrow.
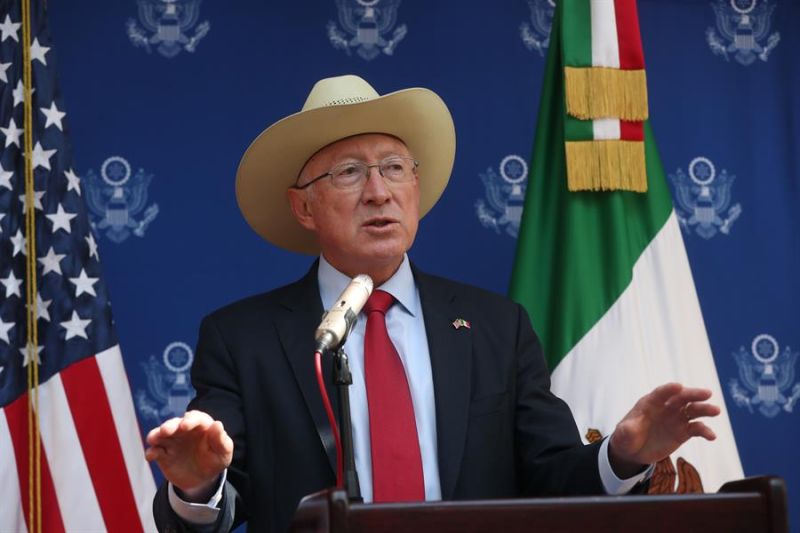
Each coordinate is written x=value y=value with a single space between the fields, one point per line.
x=384 y=155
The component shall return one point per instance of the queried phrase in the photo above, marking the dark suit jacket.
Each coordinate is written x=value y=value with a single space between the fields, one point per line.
x=501 y=433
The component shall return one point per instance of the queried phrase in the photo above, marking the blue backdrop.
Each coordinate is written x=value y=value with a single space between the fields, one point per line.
x=162 y=98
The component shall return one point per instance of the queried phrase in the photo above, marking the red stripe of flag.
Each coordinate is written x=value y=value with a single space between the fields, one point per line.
x=631 y=131
x=17 y=416
x=631 y=55
x=94 y=423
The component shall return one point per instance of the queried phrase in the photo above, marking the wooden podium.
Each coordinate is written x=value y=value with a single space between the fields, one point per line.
x=750 y=505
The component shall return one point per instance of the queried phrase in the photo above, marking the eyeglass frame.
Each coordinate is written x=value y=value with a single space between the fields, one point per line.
x=367 y=175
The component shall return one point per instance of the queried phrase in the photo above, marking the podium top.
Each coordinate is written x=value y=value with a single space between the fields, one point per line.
x=749 y=505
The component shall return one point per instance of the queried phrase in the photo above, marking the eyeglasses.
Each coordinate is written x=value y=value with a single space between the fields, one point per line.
x=352 y=175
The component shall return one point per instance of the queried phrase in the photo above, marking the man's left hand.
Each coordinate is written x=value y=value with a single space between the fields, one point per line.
x=657 y=426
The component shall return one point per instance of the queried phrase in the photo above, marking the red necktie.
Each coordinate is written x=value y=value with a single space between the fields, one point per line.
x=396 y=459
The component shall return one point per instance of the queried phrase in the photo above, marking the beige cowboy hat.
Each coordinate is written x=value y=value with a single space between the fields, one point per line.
x=337 y=108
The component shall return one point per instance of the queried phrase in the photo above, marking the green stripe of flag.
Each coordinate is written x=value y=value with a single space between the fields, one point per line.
x=577 y=30
x=578 y=130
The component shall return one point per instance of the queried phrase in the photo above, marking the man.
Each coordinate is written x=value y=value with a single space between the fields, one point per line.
x=450 y=391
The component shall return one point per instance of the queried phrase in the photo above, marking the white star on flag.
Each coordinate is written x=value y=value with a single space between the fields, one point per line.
x=5 y=177
x=76 y=326
x=84 y=284
x=73 y=181
x=92 y=247
x=38 y=51
x=52 y=262
x=19 y=93
x=53 y=115
x=9 y=29
x=26 y=358
x=4 y=328
x=19 y=242
x=12 y=133
x=37 y=201
x=12 y=284
x=41 y=307
x=41 y=157
x=3 y=69
x=61 y=219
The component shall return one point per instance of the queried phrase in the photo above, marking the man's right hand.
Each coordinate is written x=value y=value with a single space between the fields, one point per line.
x=192 y=452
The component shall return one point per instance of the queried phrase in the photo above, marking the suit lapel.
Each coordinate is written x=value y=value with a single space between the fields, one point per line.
x=303 y=310
x=451 y=362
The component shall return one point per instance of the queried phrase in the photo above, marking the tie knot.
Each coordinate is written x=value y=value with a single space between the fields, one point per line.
x=379 y=301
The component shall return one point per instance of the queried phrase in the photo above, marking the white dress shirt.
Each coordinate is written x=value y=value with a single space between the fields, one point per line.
x=407 y=330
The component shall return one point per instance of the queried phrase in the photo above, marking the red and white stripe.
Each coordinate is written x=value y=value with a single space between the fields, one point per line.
x=616 y=43
x=616 y=39
x=612 y=129
x=94 y=474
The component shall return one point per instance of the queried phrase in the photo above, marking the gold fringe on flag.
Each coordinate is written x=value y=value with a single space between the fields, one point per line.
x=600 y=92
x=606 y=165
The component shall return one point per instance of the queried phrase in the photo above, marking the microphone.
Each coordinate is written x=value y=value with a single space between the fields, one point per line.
x=340 y=319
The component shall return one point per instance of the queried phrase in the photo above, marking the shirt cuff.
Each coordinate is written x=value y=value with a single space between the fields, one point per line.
x=198 y=513
x=611 y=483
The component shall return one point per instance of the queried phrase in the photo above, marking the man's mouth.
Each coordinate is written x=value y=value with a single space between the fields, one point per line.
x=379 y=222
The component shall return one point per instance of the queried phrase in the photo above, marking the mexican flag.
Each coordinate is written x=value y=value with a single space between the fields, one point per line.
x=600 y=267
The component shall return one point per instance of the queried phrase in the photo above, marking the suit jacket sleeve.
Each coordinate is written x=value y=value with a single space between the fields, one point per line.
x=550 y=457
x=214 y=378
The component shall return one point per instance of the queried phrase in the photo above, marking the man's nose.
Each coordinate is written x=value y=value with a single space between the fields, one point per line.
x=375 y=189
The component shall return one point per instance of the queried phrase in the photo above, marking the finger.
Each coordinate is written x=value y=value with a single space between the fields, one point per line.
x=195 y=417
x=696 y=410
x=152 y=436
x=688 y=394
x=195 y=420
x=219 y=441
x=195 y=414
x=663 y=393
x=165 y=430
x=698 y=429
x=154 y=453
x=215 y=432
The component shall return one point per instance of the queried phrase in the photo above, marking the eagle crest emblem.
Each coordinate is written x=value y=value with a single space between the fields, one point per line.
x=742 y=30
x=168 y=387
x=505 y=196
x=703 y=199
x=166 y=24
x=766 y=377
x=536 y=33
x=117 y=197
x=365 y=27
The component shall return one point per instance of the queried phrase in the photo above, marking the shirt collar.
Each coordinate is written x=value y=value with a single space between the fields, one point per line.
x=401 y=285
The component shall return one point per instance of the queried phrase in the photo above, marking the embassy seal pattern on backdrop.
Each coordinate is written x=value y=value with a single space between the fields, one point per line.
x=766 y=379
x=501 y=210
x=743 y=30
x=169 y=387
x=117 y=197
x=166 y=25
x=703 y=198
x=536 y=33
x=366 y=27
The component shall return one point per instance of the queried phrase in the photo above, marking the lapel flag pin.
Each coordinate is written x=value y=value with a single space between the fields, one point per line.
x=461 y=323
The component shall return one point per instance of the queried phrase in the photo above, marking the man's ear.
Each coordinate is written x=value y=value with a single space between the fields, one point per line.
x=301 y=209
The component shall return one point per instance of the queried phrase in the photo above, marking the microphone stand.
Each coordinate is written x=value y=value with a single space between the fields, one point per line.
x=342 y=379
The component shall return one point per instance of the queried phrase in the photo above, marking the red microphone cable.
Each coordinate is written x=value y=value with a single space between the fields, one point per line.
x=332 y=419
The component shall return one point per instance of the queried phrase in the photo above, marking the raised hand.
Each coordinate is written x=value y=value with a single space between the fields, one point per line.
x=191 y=451
x=657 y=426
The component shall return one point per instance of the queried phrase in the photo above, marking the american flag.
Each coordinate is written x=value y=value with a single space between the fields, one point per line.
x=93 y=473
